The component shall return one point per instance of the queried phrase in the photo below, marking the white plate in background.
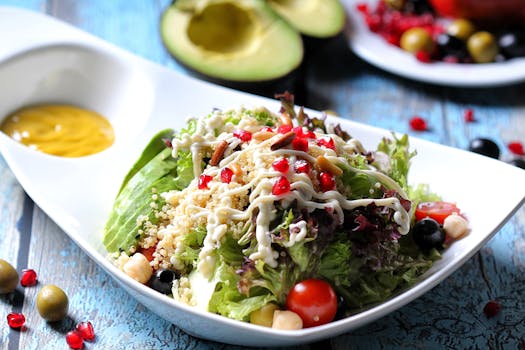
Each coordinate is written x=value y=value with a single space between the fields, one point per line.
x=376 y=51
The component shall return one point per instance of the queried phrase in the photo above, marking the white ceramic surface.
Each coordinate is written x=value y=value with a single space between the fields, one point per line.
x=52 y=61
x=373 y=49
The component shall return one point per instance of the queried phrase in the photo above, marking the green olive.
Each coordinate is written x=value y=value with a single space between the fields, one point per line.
x=417 y=39
x=461 y=29
x=482 y=47
x=8 y=277
x=264 y=316
x=52 y=303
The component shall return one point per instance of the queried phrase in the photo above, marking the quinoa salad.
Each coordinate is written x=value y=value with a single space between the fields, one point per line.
x=276 y=218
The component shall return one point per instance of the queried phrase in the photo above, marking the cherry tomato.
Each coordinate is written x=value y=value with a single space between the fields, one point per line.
x=314 y=301
x=435 y=210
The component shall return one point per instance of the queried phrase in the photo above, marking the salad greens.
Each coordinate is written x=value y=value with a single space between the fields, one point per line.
x=360 y=249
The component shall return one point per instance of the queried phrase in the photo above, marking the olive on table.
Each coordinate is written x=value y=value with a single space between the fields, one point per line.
x=417 y=39
x=52 y=303
x=8 y=277
x=461 y=29
x=520 y=163
x=482 y=47
x=484 y=147
x=428 y=234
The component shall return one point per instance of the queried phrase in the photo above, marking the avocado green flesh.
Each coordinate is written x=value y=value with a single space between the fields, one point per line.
x=244 y=41
x=121 y=231
x=315 y=18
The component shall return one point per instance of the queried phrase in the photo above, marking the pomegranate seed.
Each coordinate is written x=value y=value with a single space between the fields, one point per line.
x=243 y=135
x=468 y=116
x=283 y=129
x=302 y=167
x=28 y=278
x=492 y=308
x=74 y=340
x=203 y=182
x=226 y=175
x=266 y=128
x=281 y=165
x=326 y=181
x=86 y=331
x=327 y=142
x=362 y=7
x=16 y=320
x=282 y=186
x=299 y=131
x=300 y=144
x=516 y=147
x=423 y=56
x=418 y=124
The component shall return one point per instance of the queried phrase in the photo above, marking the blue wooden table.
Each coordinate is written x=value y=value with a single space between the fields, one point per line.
x=448 y=317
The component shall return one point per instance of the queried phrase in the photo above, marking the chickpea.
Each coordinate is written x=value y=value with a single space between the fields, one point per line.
x=138 y=268
x=455 y=226
x=264 y=316
x=286 y=320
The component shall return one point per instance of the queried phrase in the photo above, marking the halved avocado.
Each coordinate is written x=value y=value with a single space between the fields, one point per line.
x=233 y=40
x=314 y=18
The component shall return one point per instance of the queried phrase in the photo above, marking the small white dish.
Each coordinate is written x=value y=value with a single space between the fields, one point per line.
x=376 y=51
x=51 y=61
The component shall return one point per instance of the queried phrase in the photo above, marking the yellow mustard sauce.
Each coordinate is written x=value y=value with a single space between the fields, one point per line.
x=61 y=130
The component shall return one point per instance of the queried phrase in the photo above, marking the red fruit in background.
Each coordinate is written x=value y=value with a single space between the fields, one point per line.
x=482 y=10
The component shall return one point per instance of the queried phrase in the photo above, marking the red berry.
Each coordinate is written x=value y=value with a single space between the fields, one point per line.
x=86 y=331
x=16 y=320
x=266 y=128
x=28 y=278
x=283 y=129
x=423 y=56
x=326 y=181
x=492 y=308
x=327 y=142
x=362 y=7
x=468 y=116
x=243 y=135
x=417 y=123
x=300 y=144
x=281 y=186
x=302 y=167
x=226 y=175
x=203 y=181
x=299 y=131
x=281 y=165
x=516 y=147
x=74 y=340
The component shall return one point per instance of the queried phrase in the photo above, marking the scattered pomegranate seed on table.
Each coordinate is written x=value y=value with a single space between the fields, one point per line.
x=86 y=330
x=468 y=116
x=29 y=278
x=492 y=308
x=417 y=123
x=16 y=320
x=74 y=340
x=516 y=147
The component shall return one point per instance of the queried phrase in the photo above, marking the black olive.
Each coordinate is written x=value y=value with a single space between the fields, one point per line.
x=418 y=6
x=485 y=147
x=428 y=234
x=520 y=163
x=512 y=44
x=162 y=281
x=451 y=46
